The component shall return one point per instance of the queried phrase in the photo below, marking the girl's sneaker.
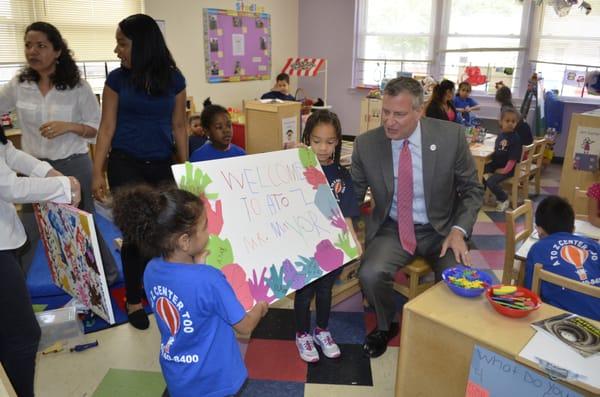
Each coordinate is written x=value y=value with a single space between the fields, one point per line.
x=306 y=348
x=323 y=338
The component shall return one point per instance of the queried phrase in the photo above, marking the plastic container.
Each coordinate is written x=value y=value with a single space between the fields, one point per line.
x=471 y=275
x=59 y=325
x=510 y=312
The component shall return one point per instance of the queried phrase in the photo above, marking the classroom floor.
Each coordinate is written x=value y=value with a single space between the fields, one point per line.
x=126 y=361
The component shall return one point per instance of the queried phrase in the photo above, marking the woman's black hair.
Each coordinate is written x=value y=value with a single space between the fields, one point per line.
x=66 y=75
x=209 y=112
x=324 y=116
x=437 y=95
x=152 y=65
x=155 y=218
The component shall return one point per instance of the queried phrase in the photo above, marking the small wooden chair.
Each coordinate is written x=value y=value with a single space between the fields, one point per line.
x=514 y=271
x=415 y=270
x=580 y=204
x=520 y=179
x=539 y=275
x=537 y=158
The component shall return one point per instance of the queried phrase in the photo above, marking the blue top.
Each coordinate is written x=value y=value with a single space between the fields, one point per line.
x=507 y=147
x=208 y=152
x=278 y=95
x=144 y=122
x=571 y=256
x=341 y=186
x=195 y=142
x=463 y=103
x=195 y=310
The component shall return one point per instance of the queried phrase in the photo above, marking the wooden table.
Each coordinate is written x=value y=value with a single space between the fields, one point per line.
x=482 y=153
x=439 y=331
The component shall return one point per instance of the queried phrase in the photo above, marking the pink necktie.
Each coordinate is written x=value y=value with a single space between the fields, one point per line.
x=404 y=196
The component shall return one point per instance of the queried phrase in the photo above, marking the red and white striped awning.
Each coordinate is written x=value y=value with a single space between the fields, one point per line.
x=303 y=66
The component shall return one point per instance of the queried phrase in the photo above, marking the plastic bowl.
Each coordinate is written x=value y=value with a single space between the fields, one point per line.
x=459 y=271
x=510 y=312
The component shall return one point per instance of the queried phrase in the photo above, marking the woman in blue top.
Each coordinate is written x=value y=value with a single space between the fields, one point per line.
x=143 y=120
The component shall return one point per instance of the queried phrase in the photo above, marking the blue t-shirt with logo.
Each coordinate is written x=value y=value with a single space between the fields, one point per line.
x=144 y=126
x=460 y=103
x=507 y=147
x=195 y=309
x=208 y=152
x=571 y=256
x=341 y=186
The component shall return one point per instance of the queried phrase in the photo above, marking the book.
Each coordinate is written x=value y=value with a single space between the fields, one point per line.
x=574 y=331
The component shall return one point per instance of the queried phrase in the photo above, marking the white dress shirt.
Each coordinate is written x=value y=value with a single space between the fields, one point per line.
x=15 y=189
x=76 y=105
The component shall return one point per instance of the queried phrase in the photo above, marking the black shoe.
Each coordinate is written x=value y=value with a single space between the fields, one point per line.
x=376 y=342
x=138 y=319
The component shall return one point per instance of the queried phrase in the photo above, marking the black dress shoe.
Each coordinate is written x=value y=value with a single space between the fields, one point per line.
x=138 y=319
x=376 y=342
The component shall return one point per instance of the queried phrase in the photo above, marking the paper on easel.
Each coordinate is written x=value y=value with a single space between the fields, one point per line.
x=547 y=348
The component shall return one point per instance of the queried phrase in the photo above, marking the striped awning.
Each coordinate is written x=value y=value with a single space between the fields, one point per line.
x=303 y=66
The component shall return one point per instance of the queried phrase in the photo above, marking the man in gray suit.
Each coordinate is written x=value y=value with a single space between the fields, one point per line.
x=426 y=192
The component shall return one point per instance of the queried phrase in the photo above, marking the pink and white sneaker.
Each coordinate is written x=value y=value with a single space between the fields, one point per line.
x=323 y=339
x=306 y=348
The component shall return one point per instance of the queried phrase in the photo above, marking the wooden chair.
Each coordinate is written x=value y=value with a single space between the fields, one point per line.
x=520 y=180
x=537 y=158
x=580 y=203
x=415 y=271
x=539 y=275
x=514 y=271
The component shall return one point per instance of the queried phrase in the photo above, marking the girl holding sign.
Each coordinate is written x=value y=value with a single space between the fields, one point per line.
x=323 y=133
x=196 y=308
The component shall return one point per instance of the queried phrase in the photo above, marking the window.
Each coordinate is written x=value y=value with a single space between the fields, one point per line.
x=391 y=39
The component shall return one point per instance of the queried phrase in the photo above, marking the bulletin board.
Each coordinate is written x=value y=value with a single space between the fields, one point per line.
x=237 y=45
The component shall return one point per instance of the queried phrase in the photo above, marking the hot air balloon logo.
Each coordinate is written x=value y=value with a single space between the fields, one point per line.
x=168 y=313
x=575 y=256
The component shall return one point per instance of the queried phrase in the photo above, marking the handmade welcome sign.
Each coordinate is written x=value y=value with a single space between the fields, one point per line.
x=274 y=224
x=71 y=245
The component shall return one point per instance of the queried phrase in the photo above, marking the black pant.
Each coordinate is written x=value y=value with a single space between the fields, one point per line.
x=493 y=183
x=124 y=170
x=322 y=290
x=19 y=330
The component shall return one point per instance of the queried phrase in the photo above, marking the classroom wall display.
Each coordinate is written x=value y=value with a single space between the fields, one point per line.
x=273 y=222
x=587 y=149
x=492 y=374
x=69 y=238
x=237 y=45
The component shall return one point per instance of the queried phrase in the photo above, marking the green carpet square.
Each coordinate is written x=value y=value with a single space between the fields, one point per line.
x=123 y=382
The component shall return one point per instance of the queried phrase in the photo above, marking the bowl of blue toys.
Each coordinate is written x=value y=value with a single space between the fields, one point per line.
x=466 y=281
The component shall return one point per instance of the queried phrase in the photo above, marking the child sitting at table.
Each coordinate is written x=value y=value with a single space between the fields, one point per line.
x=215 y=120
x=507 y=153
x=566 y=254
x=464 y=104
x=197 y=137
x=281 y=90
x=593 y=194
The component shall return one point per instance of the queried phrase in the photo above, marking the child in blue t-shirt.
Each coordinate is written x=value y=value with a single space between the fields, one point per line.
x=566 y=254
x=464 y=104
x=196 y=308
x=197 y=136
x=323 y=133
x=216 y=122
x=507 y=153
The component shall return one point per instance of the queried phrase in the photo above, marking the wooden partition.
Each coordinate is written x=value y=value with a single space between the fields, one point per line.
x=264 y=125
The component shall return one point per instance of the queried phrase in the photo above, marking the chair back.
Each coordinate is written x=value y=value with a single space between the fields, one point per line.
x=524 y=166
x=539 y=146
x=513 y=238
x=580 y=203
x=539 y=275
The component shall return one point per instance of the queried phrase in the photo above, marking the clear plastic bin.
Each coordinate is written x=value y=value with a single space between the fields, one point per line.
x=59 y=325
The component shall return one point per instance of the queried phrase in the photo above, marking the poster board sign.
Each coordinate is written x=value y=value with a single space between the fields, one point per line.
x=273 y=221
x=69 y=238
x=237 y=45
x=493 y=375
x=587 y=149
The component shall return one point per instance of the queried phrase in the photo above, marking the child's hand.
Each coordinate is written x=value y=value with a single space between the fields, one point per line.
x=467 y=109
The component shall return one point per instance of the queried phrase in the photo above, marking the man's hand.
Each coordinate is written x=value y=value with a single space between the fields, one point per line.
x=456 y=242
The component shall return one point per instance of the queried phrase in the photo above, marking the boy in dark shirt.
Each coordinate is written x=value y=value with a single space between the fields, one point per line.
x=281 y=90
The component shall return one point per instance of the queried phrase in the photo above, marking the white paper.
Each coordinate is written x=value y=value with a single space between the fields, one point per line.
x=289 y=131
x=238 y=44
x=587 y=229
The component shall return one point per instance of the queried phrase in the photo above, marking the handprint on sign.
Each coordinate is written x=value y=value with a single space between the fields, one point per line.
x=195 y=181
x=310 y=268
x=343 y=243
x=276 y=282
x=259 y=288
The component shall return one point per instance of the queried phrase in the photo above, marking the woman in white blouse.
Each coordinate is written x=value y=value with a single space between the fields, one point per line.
x=59 y=116
x=20 y=332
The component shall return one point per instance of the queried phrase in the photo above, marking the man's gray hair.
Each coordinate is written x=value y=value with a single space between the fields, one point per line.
x=399 y=85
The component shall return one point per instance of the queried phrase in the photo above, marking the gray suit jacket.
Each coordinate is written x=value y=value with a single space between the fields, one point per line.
x=453 y=195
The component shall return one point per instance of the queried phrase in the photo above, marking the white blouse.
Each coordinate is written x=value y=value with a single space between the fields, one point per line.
x=15 y=189
x=76 y=105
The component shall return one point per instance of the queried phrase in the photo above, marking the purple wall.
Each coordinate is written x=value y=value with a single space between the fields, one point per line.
x=326 y=30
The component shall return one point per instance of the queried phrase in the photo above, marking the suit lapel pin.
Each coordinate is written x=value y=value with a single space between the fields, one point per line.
x=433 y=148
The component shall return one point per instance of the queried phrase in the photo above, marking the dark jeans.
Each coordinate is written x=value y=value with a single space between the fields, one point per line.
x=493 y=183
x=124 y=170
x=320 y=288
x=19 y=330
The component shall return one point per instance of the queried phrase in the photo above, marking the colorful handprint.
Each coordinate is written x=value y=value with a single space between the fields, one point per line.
x=328 y=257
x=259 y=288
